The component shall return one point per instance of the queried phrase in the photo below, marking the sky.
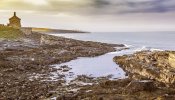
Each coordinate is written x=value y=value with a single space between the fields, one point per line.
x=93 y=15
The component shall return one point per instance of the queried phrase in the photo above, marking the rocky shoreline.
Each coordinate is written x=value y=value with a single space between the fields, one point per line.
x=155 y=67
x=150 y=77
x=25 y=71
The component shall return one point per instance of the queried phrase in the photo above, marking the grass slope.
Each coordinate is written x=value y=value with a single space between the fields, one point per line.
x=10 y=33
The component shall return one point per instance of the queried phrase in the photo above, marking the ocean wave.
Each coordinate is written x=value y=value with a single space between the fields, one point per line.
x=128 y=46
x=134 y=49
x=141 y=48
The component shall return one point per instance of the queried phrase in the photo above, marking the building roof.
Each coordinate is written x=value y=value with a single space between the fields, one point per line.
x=14 y=17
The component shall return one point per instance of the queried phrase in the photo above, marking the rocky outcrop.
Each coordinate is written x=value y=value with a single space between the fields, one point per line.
x=157 y=65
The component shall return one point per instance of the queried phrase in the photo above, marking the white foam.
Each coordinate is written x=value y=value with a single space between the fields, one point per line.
x=141 y=49
x=152 y=49
x=128 y=46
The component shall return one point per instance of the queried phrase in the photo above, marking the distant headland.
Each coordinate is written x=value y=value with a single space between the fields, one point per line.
x=15 y=22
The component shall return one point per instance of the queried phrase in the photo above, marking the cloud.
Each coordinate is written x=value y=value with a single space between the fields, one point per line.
x=135 y=6
x=91 y=7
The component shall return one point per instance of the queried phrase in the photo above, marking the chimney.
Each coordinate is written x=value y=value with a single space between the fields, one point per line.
x=14 y=13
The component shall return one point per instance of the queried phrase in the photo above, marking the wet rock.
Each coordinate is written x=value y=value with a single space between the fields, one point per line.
x=144 y=85
x=118 y=83
x=83 y=78
x=65 y=68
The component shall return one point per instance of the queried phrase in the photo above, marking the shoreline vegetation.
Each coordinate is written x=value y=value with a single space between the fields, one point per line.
x=26 y=71
x=10 y=33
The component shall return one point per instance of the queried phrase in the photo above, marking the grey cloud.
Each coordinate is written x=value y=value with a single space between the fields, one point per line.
x=131 y=6
x=99 y=7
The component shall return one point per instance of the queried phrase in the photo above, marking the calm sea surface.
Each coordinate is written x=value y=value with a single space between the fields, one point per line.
x=104 y=65
x=157 y=40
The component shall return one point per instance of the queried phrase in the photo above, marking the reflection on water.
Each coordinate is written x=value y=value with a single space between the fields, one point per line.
x=99 y=66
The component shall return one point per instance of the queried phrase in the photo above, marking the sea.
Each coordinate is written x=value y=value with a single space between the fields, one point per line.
x=103 y=65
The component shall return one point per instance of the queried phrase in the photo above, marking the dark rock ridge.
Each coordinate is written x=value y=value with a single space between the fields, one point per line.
x=157 y=65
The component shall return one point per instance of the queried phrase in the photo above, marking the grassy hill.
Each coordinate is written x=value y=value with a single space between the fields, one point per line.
x=10 y=33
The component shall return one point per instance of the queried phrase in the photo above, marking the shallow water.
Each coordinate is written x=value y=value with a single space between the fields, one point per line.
x=104 y=65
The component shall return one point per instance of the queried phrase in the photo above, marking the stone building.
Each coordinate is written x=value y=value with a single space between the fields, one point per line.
x=15 y=21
